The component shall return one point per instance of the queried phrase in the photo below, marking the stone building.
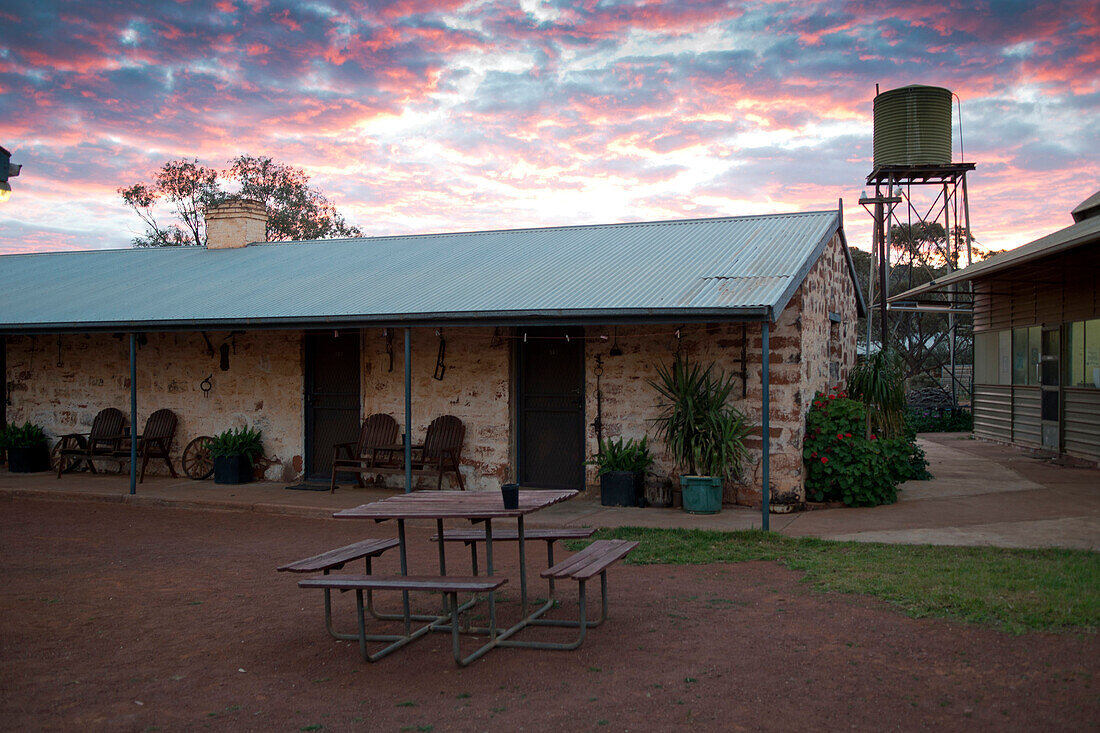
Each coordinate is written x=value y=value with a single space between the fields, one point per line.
x=1037 y=338
x=540 y=340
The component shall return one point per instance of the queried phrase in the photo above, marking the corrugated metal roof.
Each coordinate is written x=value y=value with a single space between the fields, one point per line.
x=1088 y=208
x=700 y=269
x=1083 y=232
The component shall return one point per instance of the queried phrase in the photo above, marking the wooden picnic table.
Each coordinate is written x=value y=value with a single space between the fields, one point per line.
x=481 y=506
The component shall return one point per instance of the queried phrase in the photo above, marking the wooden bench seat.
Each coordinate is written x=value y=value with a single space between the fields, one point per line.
x=512 y=535
x=582 y=566
x=471 y=537
x=591 y=561
x=430 y=583
x=335 y=559
x=449 y=585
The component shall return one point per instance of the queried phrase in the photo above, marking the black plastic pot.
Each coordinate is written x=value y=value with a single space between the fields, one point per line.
x=28 y=460
x=232 y=470
x=622 y=488
x=510 y=494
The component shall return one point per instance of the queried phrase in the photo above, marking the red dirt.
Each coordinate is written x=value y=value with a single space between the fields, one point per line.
x=128 y=618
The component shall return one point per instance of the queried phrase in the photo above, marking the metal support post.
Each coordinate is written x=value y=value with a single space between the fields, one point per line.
x=765 y=425
x=408 y=412
x=133 y=413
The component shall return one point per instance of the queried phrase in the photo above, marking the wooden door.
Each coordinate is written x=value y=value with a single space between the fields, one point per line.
x=550 y=406
x=332 y=397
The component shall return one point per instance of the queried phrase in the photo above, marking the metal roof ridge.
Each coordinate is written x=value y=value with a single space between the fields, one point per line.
x=560 y=227
x=474 y=232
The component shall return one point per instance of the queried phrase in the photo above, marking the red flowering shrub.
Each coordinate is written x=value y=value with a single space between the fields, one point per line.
x=841 y=463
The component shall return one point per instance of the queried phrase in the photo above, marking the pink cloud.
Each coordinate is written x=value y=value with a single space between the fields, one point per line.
x=404 y=114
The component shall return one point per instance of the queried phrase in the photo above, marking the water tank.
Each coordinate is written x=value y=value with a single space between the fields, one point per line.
x=913 y=126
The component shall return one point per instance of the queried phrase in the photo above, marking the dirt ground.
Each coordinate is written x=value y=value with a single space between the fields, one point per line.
x=115 y=617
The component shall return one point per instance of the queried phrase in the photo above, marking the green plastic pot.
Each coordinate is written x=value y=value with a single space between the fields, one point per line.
x=702 y=494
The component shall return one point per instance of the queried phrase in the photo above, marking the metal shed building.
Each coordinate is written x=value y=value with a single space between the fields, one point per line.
x=1037 y=339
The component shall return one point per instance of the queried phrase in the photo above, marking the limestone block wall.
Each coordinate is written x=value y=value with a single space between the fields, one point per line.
x=476 y=387
x=630 y=403
x=803 y=343
x=828 y=347
x=263 y=386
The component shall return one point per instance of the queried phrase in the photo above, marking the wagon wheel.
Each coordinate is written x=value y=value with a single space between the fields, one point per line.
x=197 y=462
x=69 y=463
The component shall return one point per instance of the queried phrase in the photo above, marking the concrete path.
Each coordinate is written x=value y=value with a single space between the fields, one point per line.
x=981 y=494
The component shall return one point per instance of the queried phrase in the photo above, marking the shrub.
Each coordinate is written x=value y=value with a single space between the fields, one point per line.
x=705 y=435
x=617 y=455
x=878 y=381
x=27 y=435
x=238 y=442
x=843 y=464
x=958 y=420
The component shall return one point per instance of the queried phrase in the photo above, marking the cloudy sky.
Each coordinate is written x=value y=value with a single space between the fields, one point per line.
x=442 y=115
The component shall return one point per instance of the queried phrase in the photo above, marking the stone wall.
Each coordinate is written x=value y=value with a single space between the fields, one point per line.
x=803 y=342
x=263 y=386
x=476 y=387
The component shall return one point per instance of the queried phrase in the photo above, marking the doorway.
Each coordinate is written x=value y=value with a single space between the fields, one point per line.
x=550 y=408
x=331 y=397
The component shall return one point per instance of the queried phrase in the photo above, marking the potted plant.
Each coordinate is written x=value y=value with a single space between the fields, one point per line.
x=704 y=435
x=26 y=447
x=622 y=466
x=235 y=452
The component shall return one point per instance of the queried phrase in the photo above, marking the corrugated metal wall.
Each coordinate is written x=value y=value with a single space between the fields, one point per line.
x=1054 y=290
x=993 y=412
x=1081 y=411
x=1026 y=427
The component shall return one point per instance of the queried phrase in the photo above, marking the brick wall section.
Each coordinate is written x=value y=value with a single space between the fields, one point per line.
x=263 y=386
x=475 y=388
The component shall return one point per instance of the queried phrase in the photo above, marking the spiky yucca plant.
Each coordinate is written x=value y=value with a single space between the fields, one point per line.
x=704 y=435
x=878 y=382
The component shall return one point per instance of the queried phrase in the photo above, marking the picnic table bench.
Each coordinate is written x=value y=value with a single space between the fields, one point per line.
x=449 y=585
x=335 y=560
x=550 y=535
x=582 y=566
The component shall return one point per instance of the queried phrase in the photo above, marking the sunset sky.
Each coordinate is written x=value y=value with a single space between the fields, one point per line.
x=443 y=115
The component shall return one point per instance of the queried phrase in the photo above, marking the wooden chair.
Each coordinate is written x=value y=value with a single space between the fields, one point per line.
x=101 y=441
x=442 y=450
x=154 y=442
x=374 y=449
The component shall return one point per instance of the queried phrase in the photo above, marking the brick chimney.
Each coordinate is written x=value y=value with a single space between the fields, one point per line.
x=235 y=223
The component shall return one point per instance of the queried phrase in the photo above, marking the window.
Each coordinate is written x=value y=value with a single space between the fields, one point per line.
x=985 y=357
x=1025 y=355
x=1083 y=352
x=993 y=357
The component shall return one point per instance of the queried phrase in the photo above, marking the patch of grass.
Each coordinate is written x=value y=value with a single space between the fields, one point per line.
x=463 y=695
x=1012 y=590
x=315 y=726
x=406 y=704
